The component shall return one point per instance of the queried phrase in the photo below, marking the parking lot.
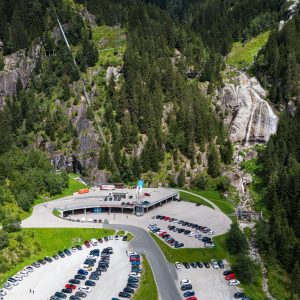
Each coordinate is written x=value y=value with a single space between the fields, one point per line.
x=187 y=211
x=207 y=283
x=52 y=277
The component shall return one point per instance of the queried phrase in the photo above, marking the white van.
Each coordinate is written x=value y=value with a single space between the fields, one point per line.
x=94 y=242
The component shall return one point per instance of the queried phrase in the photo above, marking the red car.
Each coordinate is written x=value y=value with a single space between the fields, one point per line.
x=161 y=234
x=230 y=276
x=166 y=218
x=191 y=298
x=87 y=244
x=147 y=194
x=70 y=286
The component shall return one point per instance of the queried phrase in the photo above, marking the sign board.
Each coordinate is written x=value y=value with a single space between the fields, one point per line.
x=140 y=183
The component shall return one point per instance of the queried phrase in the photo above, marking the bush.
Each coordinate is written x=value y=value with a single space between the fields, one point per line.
x=11 y=224
x=4 y=241
x=1 y=62
x=201 y=182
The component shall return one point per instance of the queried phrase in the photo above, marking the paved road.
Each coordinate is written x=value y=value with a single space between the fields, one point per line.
x=203 y=198
x=162 y=270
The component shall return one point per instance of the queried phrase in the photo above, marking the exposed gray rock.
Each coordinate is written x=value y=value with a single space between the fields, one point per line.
x=114 y=72
x=17 y=65
x=249 y=117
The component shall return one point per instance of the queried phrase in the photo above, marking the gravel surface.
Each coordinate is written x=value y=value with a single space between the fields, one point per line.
x=52 y=277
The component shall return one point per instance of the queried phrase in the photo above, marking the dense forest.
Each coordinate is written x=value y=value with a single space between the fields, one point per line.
x=278 y=66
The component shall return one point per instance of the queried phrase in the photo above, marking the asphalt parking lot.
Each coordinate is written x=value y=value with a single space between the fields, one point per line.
x=187 y=211
x=52 y=277
x=208 y=284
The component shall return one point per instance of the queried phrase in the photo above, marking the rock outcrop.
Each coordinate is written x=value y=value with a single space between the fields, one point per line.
x=17 y=65
x=249 y=117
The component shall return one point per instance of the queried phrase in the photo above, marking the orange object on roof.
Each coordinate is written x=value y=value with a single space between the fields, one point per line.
x=83 y=191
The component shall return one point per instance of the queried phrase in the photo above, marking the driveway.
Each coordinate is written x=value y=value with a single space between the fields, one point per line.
x=162 y=270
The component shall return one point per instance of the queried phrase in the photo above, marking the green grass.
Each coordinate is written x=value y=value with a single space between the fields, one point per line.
x=56 y=212
x=111 y=43
x=74 y=186
x=217 y=198
x=279 y=283
x=40 y=242
x=194 y=254
x=192 y=198
x=147 y=288
x=120 y=232
x=129 y=236
x=242 y=55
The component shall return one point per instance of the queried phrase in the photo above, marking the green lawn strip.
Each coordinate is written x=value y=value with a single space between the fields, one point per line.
x=242 y=55
x=56 y=212
x=147 y=287
x=192 y=198
x=74 y=186
x=129 y=236
x=216 y=197
x=120 y=232
x=194 y=254
x=40 y=242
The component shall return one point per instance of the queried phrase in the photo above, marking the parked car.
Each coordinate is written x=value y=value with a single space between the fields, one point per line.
x=214 y=264
x=80 y=277
x=81 y=294
x=124 y=295
x=128 y=290
x=87 y=244
x=193 y=265
x=239 y=295
x=84 y=289
x=67 y=291
x=178 y=265
x=227 y=272
x=185 y=281
x=189 y=294
x=60 y=295
x=74 y=281
x=186 y=287
x=73 y=297
x=221 y=264
x=70 y=286
x=230 y=276
x=206 y=264
x=233 y=282
x=186 y=265
x=199 y=264
x=61 y=254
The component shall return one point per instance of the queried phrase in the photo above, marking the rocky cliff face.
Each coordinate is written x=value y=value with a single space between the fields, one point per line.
x=17 y=65
x=248 y=115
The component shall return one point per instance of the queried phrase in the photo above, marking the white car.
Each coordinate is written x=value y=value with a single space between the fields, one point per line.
x=178 y=265
x=131 y=253
x=2 y=292
x=23 y=273
x=18 y=277
x=74 y=249
x=92 y=256
x=136 y=275
x=8 y=286
x=192 y=234
x=214 y=264
x=85 y=289
x=94 y=242
x=29 y=269
x=175 y=221
x=111 y=237
x=185 y=282
x=233 y=282
x=211 y=232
